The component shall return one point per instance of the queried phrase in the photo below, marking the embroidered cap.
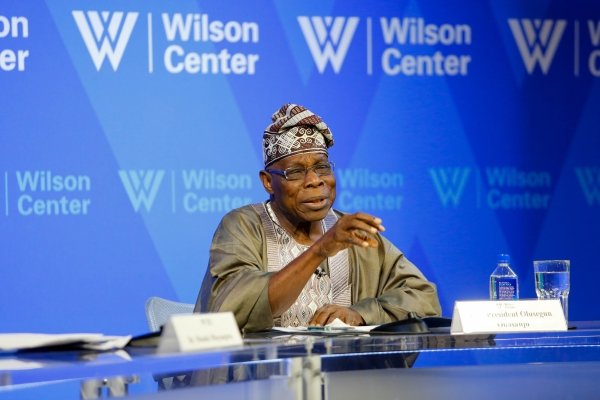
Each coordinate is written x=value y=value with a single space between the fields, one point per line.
x=294 y=130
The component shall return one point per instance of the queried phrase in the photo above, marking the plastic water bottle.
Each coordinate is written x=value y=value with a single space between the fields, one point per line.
x=504 y=283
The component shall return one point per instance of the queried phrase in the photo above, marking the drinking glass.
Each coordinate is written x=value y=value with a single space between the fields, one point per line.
x=552 y=281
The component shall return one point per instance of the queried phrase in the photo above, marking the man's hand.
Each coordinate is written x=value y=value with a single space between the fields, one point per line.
x=330 y=312
x=350 y=230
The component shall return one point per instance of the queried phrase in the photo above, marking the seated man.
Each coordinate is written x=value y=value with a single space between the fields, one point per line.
x=294 y=260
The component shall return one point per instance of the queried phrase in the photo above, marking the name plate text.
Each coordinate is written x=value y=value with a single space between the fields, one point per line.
x=507 y=316
x=192 y=332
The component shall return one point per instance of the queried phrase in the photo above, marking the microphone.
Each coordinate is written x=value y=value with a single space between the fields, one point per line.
x=319 y=272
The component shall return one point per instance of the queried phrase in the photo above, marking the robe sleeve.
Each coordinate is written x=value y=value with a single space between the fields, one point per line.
x=386 y=286
x=237 y=272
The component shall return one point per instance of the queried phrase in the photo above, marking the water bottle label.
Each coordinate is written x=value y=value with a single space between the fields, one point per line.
x=504 y=289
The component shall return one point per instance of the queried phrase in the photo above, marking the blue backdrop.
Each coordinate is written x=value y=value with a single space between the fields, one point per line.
x=128 y=128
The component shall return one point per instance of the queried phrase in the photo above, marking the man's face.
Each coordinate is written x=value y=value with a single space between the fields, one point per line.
x=302 y=200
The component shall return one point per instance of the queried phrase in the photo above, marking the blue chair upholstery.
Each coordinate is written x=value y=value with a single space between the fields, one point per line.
x=158 y=311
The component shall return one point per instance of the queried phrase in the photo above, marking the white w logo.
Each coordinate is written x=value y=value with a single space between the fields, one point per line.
x=141 y=186
x=537 y=41
x=589 y=180
x=328 y=39
x=105 y=34
x=450 y=183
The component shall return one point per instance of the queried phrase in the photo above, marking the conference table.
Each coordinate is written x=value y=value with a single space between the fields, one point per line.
x=322 y=365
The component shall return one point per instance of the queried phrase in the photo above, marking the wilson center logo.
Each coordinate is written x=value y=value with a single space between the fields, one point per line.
x=450 y=183
x=589 y=180
x=105 y=34
x=142 y=186
x=328 y=39
x=537 y=41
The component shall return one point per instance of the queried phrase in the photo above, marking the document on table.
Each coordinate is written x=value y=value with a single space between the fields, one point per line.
x=336 y=326
x=88 y=341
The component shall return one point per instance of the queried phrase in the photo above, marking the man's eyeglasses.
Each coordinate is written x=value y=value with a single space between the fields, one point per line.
x=296 y=173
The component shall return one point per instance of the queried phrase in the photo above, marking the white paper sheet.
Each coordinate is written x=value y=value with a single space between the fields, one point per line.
x=336 y=326
x=91 y=341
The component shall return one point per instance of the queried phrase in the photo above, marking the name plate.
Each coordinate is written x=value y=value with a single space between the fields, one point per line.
x=192 y=332
x=507 y=316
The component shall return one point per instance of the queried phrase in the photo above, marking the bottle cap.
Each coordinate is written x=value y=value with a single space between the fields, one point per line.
x=503 y=258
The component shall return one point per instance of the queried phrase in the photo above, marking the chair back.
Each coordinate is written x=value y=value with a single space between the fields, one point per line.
x=158 y=311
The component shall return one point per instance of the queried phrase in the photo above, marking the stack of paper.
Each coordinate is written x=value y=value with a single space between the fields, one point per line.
x=88 y=341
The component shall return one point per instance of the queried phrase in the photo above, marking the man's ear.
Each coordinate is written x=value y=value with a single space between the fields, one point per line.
x=266 y=178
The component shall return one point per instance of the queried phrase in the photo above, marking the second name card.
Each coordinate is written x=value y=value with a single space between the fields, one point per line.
x=507 y=316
